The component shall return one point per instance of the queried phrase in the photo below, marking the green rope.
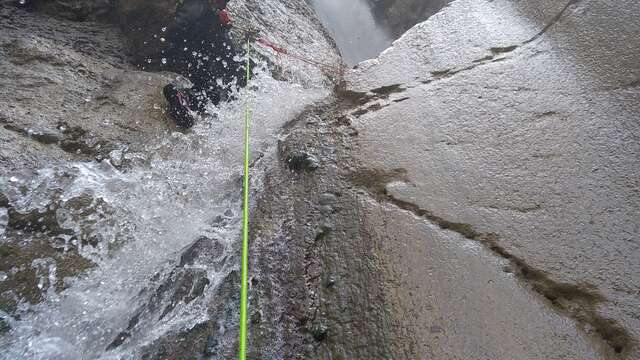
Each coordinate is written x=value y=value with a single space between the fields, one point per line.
x=245 y=225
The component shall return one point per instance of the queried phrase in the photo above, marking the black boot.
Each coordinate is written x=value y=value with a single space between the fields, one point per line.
x=178 y=106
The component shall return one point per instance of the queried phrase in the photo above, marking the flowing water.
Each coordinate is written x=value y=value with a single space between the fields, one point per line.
x=182 y=187
x=134 y=214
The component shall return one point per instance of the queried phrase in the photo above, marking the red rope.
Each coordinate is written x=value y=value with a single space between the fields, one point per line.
x=268 y=43
x=326 y=67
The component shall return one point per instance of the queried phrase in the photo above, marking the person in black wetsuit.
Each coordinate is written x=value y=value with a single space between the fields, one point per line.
x=201 y=49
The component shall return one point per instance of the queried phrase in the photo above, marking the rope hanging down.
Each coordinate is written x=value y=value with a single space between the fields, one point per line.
x=266 y=43
x=242 y=353
x=322 y=66
x=242 y=345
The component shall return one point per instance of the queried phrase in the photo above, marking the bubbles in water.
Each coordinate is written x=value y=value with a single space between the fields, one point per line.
x=116 y=156
x=53 y=348
x=132 y=215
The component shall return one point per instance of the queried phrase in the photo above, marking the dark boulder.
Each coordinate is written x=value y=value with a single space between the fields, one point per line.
x=202 y=251
x=319 y=331
x=185 y=283
x=302 y=161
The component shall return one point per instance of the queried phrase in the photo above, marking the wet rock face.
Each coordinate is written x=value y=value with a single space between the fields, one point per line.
x=320 y=288
x=504 y=169
x=214 y=338
x=186 y=284
x=31 y=271
x=203 y=250
x=45 y=239
x=70 y=92
x=141 y=21
x=182 y=286
x=302 y=161
x=133 y=15
x=71 y=10
x=319 y=331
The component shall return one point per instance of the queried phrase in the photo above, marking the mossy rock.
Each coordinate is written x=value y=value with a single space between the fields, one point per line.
x=23 y=284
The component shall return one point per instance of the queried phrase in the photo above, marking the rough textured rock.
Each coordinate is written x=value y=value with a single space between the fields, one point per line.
x=477 y=197
x=214 y=338
x=518 y=131
x=186 y=284
x=301 y=161
x=46 y=239
x=490 y=160
x=141 y=21
x=82 y=128
x=363 y=279
x=68 y=95
x=67 y=87
x=69 y=9
x=318 y=282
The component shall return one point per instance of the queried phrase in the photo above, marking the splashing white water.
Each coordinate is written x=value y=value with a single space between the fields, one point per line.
x=141 y=216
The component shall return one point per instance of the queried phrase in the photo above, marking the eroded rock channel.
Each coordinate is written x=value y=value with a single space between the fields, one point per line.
x=469 y=194
x=119 y=232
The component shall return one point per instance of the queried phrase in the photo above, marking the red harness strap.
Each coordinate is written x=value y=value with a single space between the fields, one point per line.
x=275 y=47
x=224 y=17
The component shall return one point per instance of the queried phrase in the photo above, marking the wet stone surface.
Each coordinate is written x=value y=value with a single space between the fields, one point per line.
x=118 y=233
x=302 y=161
x=510 y=129
x=470 y=194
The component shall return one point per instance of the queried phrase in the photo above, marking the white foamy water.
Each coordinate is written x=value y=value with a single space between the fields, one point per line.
x=142 y=216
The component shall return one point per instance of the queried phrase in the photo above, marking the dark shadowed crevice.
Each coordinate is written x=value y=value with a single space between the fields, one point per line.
x=362 y=29
x=398 y=16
